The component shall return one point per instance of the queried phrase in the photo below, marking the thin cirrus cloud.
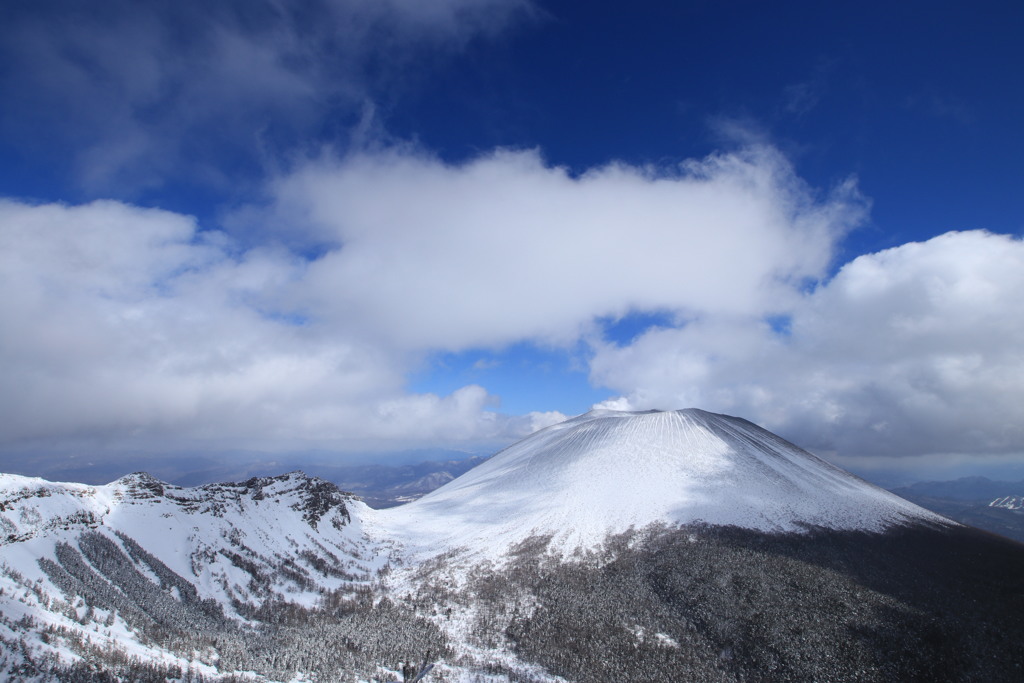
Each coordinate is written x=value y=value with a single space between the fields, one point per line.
x=135 y=327
x=147 y=93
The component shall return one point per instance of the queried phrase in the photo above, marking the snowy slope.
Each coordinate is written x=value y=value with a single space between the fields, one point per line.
x=607 y=471
x=1008 y=502
x=202 y=534
x=105 y=569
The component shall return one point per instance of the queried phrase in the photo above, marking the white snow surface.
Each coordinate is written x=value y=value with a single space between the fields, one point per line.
x=265 y=519
x=607 y=471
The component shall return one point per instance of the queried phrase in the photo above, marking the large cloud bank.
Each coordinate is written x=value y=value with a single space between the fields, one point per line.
x=128 y=325
x=297 y=323
x=134 y=327
x=506 y=248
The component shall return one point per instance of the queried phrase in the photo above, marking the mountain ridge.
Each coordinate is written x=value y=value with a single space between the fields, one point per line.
x=288 y=578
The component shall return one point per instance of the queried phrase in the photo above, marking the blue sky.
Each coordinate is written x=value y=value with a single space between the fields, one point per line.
x=370 y=227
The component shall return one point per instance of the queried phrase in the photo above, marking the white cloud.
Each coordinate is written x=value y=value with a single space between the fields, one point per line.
x=914 y=350
x=505 y=248
x=617 y=403
x=540 y=420
x=132 y=326
x=127 y=326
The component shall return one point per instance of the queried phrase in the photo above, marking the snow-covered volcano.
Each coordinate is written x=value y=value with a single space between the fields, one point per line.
x=288 y=578
x=607 y=471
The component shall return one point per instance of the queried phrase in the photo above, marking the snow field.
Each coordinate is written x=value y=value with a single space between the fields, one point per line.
x=608 y=471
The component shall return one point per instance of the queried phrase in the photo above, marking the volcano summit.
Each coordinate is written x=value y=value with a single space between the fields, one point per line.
x=606 y=472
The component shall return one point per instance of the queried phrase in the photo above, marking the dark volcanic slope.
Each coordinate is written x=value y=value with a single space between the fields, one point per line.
x=732 y=556
x=722 y=603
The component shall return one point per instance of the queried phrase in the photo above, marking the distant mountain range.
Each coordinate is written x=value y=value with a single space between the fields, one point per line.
x=967 y=489
x=977 y=501
x=350 y=471
x=383 y=486
x=1008 y=502
x=612 y=547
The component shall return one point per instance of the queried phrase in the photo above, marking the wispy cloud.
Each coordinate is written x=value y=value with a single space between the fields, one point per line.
x=799 y=99
x=143 y=93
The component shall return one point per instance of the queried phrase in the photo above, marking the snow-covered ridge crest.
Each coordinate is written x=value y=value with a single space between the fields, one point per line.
x=607 y=471
x=41 y=505
x=216 y=535
x=183 y=577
